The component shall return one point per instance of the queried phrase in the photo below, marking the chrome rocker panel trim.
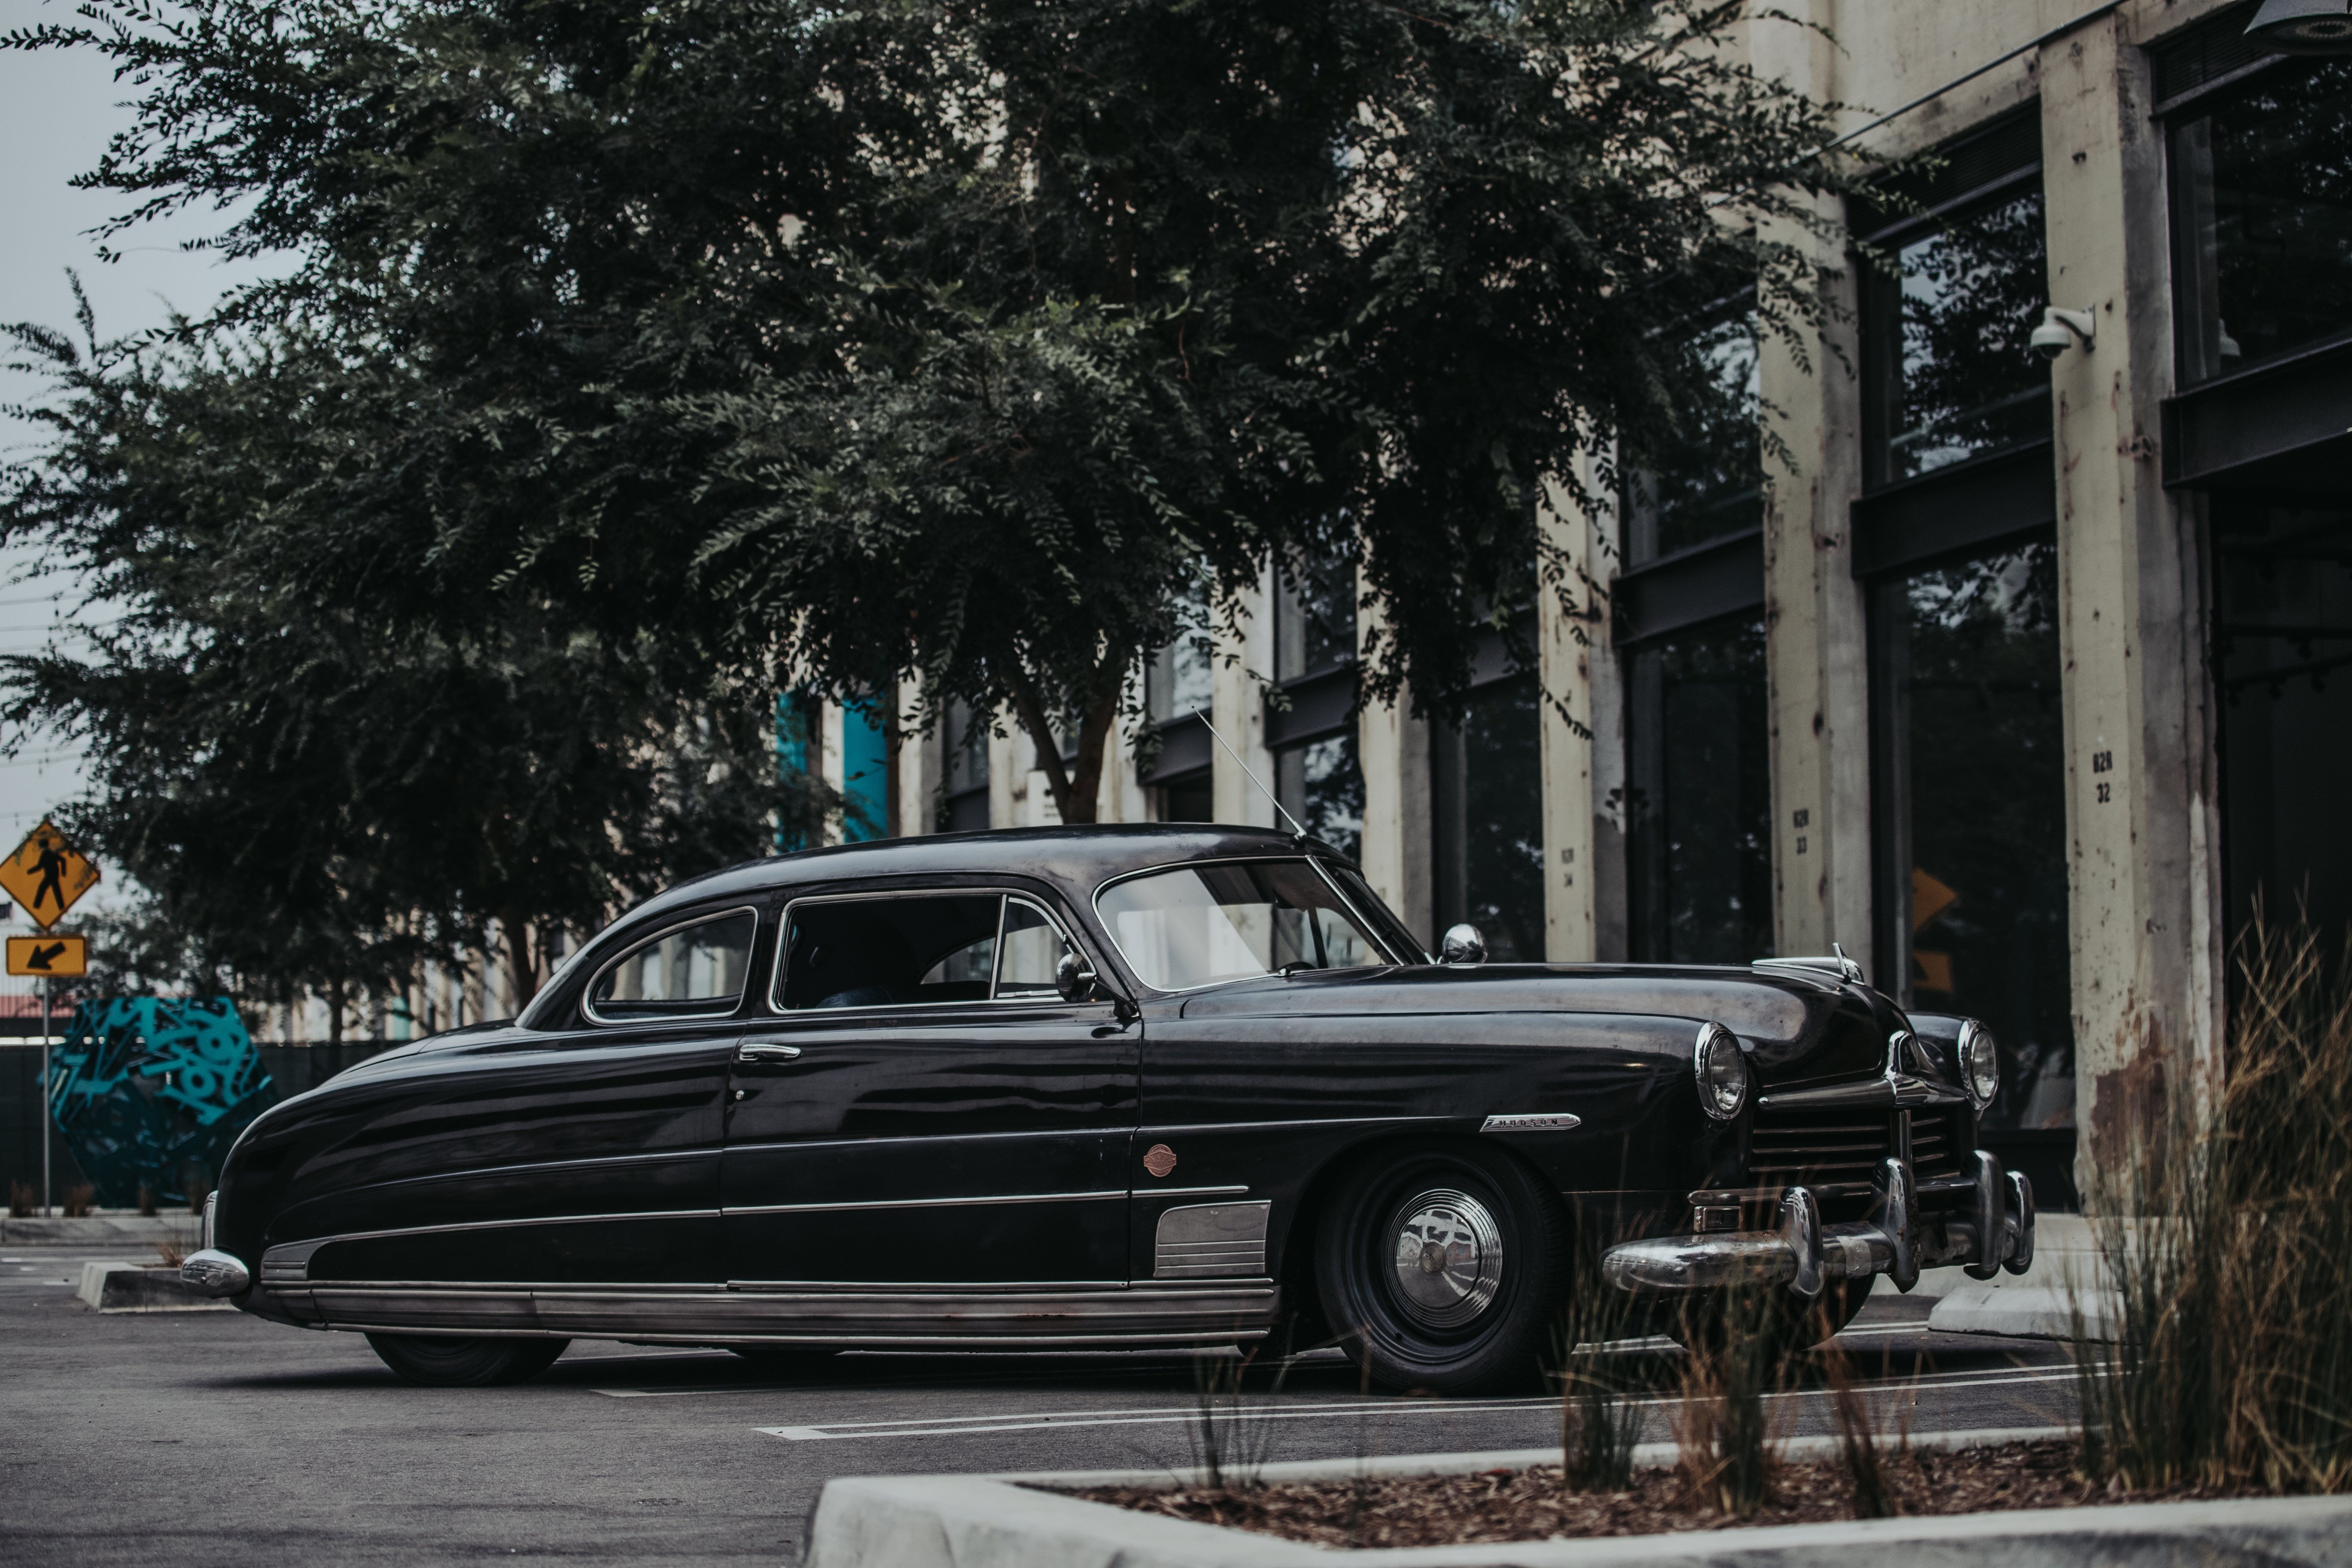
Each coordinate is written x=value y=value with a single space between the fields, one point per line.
x=1805 y=1254
x=1241 y=1310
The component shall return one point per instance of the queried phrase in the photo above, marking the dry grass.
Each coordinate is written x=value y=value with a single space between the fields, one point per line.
x=171 y=1253
x=24 y=1200
x=78 y=1202
x=2231 y=1246
x=1540 y=1505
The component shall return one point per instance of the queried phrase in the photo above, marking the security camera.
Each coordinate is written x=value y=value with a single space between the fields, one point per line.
x=2059 y=331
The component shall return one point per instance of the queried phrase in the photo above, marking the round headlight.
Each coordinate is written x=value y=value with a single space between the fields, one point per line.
x=1979 y=1062
x=1721 y=1067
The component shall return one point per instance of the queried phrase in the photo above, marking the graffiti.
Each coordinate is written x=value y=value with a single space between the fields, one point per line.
x=149 y=1092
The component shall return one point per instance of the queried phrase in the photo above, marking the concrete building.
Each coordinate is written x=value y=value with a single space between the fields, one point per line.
x=2017 y=685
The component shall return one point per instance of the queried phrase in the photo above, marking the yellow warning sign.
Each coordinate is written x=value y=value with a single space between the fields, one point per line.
x=54 y=956
x=47 y=875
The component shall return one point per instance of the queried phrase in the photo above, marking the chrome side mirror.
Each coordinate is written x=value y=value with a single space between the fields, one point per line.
x=1463 y=944
x=1074 y=978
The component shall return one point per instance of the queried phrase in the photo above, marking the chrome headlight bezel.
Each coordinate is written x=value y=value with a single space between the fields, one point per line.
x=1977 y=1060
x=1719 y=1072
x=210 y=1228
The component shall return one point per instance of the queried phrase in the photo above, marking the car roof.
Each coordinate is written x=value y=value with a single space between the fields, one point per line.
x=1079 y=858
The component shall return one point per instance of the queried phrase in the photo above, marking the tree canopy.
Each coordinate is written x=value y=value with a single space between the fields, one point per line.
x=827 y=345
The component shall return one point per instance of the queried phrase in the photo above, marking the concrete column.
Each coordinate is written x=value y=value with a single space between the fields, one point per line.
x=1816 y=646
x=1237 y=708
x=832 y=760
x=921 y=756
x=1572 y=650
x=1393 y=747
x=1009 y=756
x=1122 y=797
x=2142 y=832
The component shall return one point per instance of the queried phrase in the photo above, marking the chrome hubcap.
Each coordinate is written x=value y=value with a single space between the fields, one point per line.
x=1449 y=1258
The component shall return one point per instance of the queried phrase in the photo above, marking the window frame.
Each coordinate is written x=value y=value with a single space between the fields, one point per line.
x=588 y=991
x=1373 y=930
x=999 y=892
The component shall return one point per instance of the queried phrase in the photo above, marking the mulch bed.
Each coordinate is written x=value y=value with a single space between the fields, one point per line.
x=1530 y=1505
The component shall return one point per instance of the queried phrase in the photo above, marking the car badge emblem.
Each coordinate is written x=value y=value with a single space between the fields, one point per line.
x=1160 y=1159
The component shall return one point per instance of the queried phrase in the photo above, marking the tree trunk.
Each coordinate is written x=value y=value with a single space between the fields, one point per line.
x=1076 y=792
x=335 y=1011
x=522 y=970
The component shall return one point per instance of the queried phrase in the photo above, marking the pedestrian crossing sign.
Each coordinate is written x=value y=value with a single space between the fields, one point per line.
x=47 y=875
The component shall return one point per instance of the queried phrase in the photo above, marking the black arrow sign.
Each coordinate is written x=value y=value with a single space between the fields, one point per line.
x=43 y=956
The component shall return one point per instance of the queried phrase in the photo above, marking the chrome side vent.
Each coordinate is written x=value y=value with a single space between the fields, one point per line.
x=1210 y=1241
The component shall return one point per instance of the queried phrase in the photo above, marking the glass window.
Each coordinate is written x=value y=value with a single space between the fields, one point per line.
x=1700 y=806
x=1199 y=925
x=1973 y=824
x=2282 y=662
x=2262 y=226
x=1033 y=950
x=1945 y=339
x=695 y=971
x=1706 y=482
x=1178 y=679
x=1392 y=929
x=1315 y=620
x=880 y=953
x=1322 y=784
x=1488 y=802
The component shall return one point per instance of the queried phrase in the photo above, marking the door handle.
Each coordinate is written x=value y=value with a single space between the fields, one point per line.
x=766 y=1051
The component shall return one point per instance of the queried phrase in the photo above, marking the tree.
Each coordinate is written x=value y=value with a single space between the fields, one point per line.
x=313 y=793
x=971 y=339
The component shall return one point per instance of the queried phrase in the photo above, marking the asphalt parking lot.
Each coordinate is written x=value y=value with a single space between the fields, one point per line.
x=208 y=1436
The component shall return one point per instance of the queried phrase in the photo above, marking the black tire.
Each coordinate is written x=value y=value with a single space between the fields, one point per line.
x=458 y=1360
x=1444 y=1268
x=1792 y=1323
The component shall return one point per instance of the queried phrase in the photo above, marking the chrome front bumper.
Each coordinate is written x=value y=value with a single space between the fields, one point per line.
x=1995 y=1233
x=215 y=1273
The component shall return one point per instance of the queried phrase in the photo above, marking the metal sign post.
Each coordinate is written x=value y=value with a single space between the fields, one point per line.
x=46 y=1213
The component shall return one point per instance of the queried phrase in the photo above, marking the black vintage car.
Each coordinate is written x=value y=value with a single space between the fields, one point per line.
x=1170 y=1085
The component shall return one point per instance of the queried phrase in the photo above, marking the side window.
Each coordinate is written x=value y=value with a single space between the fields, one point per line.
x=1032 y=947
x=889 y=951
x=695 y=970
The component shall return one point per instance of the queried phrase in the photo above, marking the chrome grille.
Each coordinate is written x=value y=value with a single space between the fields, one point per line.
x=1935 y=1152
x=1815 y=1148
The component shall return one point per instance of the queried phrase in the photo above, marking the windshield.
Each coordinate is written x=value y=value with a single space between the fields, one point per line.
x=1198 y=925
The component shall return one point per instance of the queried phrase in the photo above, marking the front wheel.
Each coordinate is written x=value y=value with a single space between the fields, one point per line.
x=1444 y=1269
x=458 y=1360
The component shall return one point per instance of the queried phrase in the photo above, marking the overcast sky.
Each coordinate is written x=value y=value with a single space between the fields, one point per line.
x=56 y=111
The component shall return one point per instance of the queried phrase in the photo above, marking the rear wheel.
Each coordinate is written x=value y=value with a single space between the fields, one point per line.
x=456 y=1361
x=1443 y=1267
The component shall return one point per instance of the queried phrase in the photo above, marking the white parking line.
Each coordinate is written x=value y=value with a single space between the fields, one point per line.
x=1031 y=1421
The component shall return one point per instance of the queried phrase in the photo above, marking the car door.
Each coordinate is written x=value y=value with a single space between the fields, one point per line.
x=584 y=1154
x=923 y=1108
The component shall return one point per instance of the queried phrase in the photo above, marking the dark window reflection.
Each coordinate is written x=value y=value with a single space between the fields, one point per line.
x=1707 y=479
x=1700 y=808
x=1322 y=784
x=2261 y=204
x=1950 y=374
x=1315 y=620
x=1972 y=779
x=2283 y=663
x=1488 y=796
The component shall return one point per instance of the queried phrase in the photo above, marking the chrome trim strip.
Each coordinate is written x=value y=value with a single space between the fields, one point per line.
x=928 y=1203
x=593 y=1016
x=1553 y=1122
x=1189 y=1192
x=913 y=1287
x=284 y=1250
x=948 y=1342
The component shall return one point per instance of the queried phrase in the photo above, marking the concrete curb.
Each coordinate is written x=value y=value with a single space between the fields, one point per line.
x=101 y=1230
x=2021 y=1312
x=984 y=1521
x=135 y=1287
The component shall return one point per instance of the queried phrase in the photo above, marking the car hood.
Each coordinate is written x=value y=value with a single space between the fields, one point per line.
x=1800 y=1026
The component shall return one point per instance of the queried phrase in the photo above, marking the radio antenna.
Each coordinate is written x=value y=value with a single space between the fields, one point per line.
x=1202 y=714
